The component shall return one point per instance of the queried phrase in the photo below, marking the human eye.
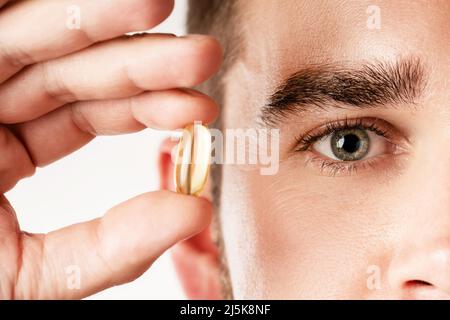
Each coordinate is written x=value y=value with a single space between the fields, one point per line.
x=345 y=146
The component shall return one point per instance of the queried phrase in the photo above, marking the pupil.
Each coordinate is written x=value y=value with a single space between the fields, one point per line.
x=350 y=143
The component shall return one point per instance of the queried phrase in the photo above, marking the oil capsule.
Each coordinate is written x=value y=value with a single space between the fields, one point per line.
x=193 y=157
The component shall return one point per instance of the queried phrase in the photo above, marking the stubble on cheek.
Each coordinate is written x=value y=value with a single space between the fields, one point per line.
x=297 y=234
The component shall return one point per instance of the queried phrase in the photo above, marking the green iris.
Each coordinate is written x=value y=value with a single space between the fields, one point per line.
x=350 y=144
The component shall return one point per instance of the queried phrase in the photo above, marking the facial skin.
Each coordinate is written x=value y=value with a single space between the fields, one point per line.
x=305 y=233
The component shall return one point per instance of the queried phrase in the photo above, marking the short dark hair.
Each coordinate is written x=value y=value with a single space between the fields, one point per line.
x=217 y=18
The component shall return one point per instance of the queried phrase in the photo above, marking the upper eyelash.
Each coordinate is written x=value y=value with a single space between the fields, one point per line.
x=308 y=139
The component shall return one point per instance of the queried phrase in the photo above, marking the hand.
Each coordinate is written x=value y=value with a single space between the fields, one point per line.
x=59 y=88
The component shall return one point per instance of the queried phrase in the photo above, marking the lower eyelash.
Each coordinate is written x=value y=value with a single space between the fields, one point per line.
x=333 y=168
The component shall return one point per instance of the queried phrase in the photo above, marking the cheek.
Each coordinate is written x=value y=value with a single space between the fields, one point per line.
x=240 y=232
x=296 y=234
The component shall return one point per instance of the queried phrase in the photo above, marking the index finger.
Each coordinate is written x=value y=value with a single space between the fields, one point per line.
x=39 y=30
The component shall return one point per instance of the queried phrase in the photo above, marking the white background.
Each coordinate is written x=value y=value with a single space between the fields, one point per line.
x=87 y=183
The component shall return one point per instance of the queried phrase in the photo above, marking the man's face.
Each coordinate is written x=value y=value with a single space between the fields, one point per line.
x=360 y=205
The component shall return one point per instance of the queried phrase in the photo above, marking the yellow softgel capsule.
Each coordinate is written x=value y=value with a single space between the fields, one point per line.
x=193 y=157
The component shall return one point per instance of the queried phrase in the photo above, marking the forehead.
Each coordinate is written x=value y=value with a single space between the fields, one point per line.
x=313 y=31
x=282 y=37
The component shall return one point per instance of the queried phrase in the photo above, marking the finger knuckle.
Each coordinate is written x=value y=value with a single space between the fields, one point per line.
x=53 y=83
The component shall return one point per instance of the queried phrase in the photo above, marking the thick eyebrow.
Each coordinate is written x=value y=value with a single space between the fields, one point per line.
x=332 y=85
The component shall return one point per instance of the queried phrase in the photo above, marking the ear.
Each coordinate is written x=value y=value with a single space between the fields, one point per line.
x=196 y=259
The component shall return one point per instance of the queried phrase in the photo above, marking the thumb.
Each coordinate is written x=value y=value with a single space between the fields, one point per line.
x=111 y=250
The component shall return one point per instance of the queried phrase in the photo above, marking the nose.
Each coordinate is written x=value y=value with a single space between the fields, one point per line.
x=422 y=271
x=420 y=262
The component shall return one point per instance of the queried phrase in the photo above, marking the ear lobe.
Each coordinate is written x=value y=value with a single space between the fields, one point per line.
x=196 y=261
